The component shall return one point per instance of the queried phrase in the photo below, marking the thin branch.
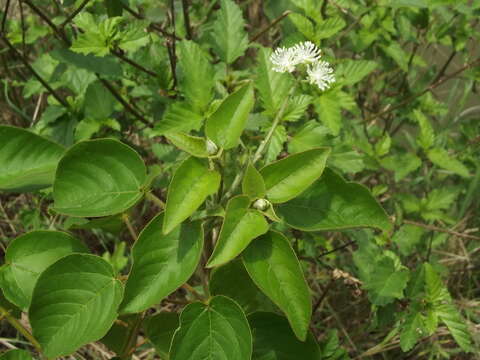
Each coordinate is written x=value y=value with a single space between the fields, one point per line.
x=5 y=14
x=74 y=13
x=34 y=73
x=341 y=247
x=171 y=45
x=121 y=56
x=269 y=26
x=186 y=18
x=46 y=18
x=21 y=329
x=439 y=229
x=150 y=196
x=445 y=66
x=131 y=230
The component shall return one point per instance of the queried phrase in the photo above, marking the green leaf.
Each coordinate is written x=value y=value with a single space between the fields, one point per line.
x=401 y=164
x=194 y=145
x=309 y=136
x=386 y=283
x=273 y=339
x=289 y=177
x=161 y=263
x=28 y=256
x=274 y=267
x=98 y=178
x=74 y=302
x=233 y=281
x=99 y=102
x=105 y=66
x=179 y=116
x=329 y=111
x=443 y=159
x=331 y=203
x=190 y=186
x=27 y=160
x=350 y=72
x=407 y=238
x=226 y=124
x=240 y=226
x=273 y=87
x=398 y=54
x=450 y=316
x=412 y=331
x=229 y=37
x=133 y=37
x=196 y=79
x=328 y=28
x=296 y=107
x=160 y=329
x=303 y=24
x=253 y=184
x=16 y=354
x=276 y=144
x=426 y=138
x=217 y=331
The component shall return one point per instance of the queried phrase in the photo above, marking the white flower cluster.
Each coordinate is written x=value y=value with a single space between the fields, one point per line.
x=319 y=72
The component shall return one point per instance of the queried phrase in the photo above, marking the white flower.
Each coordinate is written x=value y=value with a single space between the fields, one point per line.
x=283 y=59
x=306 y=53
x=321 y=74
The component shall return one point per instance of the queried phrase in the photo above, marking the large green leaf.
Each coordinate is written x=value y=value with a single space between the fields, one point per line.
x=160 y=329
x=196 y=79
x=443 y=159
x=98 y=178
x=16 y=354
x=28 y=256
x=217 y=331
x=289 y=177
x=273 y=339
x=229 y=38
x=99 y=101
x=190 y=186
x=226 y=124
x=273 y=87
x=74 y=302
x=161 y=263
x=27 y=161
x=331 y=203
x=233 y=281
x=274 y=267
x=240 y=226
x=253 y=184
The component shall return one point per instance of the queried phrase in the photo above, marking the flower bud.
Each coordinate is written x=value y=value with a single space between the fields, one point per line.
x=212 y=148
x=261 y=204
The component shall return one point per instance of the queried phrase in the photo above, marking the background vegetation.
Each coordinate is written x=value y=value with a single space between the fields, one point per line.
x=401 y=119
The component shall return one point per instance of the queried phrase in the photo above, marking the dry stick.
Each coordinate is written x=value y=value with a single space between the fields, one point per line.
x=21 y=329
x=5 y=13
x=186 y=18
x=22 y=25
x=74 y=13
x=439 y=229
x=269 y=26
x=34 y=73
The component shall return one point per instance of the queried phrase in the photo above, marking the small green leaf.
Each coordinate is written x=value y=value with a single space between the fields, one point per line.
x=160 y=329
x=407 y=238
x=74 y=302
x=329 y=111
x=229 y=37
x=329 y=27
x=179 y=116
x=194 y=145
x=133 y=37
x=443 y=159
x=161 y=263
x=28 y=256
x=451 y=317
x=331 y=203
x=99 y=102
x=16 y=354
x=98 y=178
x=412 y=331
x=289 y=177
x=217 y=331
x=274 y=267
x=276 y=144
x=350 y=72
x=190 y=186
x=226 y=124
x=273 y=339
x=426 y=138
x=27 y=161
x=253 y=184
x=240 y=226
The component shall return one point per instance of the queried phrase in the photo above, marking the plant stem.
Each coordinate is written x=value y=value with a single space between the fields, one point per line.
x=74 y=13
x=130 y=228
x=150 y=196
x=193 y=292
x=132 y=336
x=21 y=329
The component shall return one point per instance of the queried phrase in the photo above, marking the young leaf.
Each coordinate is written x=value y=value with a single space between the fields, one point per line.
x=329 y=111
x=226 y=124
x=272 y=86
x=194 y=145
x=99 y=102
x=276 y=144
x=28 y=256
x=426 y=137
x=450 y=316
x=27 y=160
x=229 y=38
x=218 y=331
x=74 y=302
x=289 y=177
x=161 y=263
x=253 y=184
x=98 y=178
x=331 y=203
x=233 y=281
x=240 y=226
x=443 y=159
x=160 y=329
x=190 y=186
x=197 y=78
x=273 y=339
x=412 y=331
x=274 y=267
x=179 y=116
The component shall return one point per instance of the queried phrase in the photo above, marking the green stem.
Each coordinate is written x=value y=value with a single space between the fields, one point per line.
x=21 y=329
x=129 y=347
x=155 y=200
